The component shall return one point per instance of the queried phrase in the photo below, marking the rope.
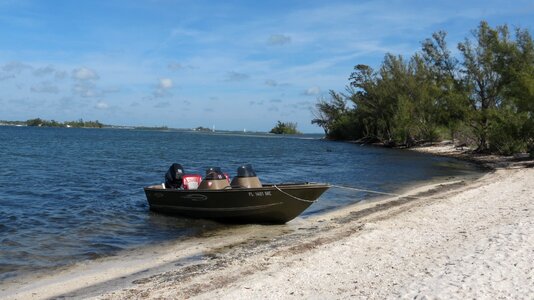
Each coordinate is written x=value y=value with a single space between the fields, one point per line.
x=371 y=191
x=344 y=187
x=294 y=197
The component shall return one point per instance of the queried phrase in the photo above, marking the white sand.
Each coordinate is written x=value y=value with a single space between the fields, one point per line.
x=459 y=241
x=476 y=244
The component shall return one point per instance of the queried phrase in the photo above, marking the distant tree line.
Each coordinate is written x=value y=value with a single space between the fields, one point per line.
x=484 y=98
x=52 y=123
x=200 y=128
x=151 y=128
x=12 y=123
x=285 y=128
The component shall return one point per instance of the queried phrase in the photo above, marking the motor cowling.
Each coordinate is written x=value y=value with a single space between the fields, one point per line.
x=246 y=178
x=173 y=177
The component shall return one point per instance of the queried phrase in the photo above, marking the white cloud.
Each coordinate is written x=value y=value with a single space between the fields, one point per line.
x=175 y=66
x=162 y=89
x=49 y=71
x=101 y=105
x=236 y=76
x=85 y=89
x=274 y=83
x=45 y=87
x=84 y=73
x=5 y=76
x=44 y=71
x=279 y=39
x=271 y=82
x=180 y=32
x=60 y=74
x=312 y=91
x=165 y=83
x=162 y=104
x=15 y=67
x=257 y=102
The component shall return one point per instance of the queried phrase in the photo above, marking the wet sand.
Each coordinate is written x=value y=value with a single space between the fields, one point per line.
x=456 y=239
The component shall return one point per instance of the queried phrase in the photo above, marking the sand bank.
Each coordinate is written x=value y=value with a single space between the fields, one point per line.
x=452 y=240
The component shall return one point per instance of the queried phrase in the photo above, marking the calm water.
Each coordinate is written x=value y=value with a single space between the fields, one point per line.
x=74 y=194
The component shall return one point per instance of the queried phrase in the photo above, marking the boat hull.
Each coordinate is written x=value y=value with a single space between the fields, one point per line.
x=267 y=204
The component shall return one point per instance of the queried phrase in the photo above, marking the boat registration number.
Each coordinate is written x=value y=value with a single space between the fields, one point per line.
x=259 y=194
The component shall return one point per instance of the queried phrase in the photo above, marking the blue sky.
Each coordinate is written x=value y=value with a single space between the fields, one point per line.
x=228 y=64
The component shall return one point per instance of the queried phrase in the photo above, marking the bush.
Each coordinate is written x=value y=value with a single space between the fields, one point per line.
x=505 y=132
x=285 y=128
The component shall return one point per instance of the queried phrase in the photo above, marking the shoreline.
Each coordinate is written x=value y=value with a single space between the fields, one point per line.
x=253 y=261
x=489 y=161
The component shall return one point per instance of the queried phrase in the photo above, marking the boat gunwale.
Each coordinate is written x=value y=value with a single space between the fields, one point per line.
x=264 y=187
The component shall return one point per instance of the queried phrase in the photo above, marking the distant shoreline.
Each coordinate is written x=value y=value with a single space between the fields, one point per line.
x=191 y=130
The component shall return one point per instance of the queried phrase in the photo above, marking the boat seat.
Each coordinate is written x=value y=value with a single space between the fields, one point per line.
x=246 y=178
x=214 y=184
x=246 y=182
x=215 y=180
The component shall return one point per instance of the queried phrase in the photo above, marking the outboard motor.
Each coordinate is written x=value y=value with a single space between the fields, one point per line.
x=215 y=180
x=246 y=178
x=173 y=177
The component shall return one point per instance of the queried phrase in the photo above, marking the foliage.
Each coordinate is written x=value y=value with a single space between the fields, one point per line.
x=151 y=128
x=200 y=128
x=285 y=128
x=505 y=132
x=79 y=124
x=332 y=115
x=484 y=98
x=86 y=124
x=12 y=123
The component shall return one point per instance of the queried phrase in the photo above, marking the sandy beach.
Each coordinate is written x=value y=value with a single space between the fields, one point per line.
x=454 y=239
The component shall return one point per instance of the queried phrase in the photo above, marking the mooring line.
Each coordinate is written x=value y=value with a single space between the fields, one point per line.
x=371 y=191
x=294 y=197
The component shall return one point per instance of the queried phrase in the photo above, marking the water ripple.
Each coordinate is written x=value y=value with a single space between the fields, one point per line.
x=75 y=194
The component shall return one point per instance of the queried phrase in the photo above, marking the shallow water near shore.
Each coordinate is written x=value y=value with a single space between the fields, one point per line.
x=75 y=194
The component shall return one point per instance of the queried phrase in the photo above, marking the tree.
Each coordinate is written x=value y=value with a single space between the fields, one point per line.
x=372 y=108
x=498 y=71
x=452 y=99
x=396 y=104
x=34 y=122
x=486 y=95
x=481 y=77
x=328 y=112
x=285 y=128
x=515 y=63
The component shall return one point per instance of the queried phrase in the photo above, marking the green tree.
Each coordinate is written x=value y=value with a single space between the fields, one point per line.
x=373 y=109
x=34 y=122
x=499 y=70
x=285 y=128
x=515 y=64
x=486 y=96
x=452 y=99
x=329 y=114
x=396 y=105
x=481 y=77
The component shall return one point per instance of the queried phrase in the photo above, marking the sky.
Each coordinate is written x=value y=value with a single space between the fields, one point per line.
x=232 y=65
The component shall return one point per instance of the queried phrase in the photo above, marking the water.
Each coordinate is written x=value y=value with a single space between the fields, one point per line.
x=74 y=194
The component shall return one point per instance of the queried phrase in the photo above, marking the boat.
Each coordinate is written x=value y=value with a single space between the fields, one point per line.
x=243 y=200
